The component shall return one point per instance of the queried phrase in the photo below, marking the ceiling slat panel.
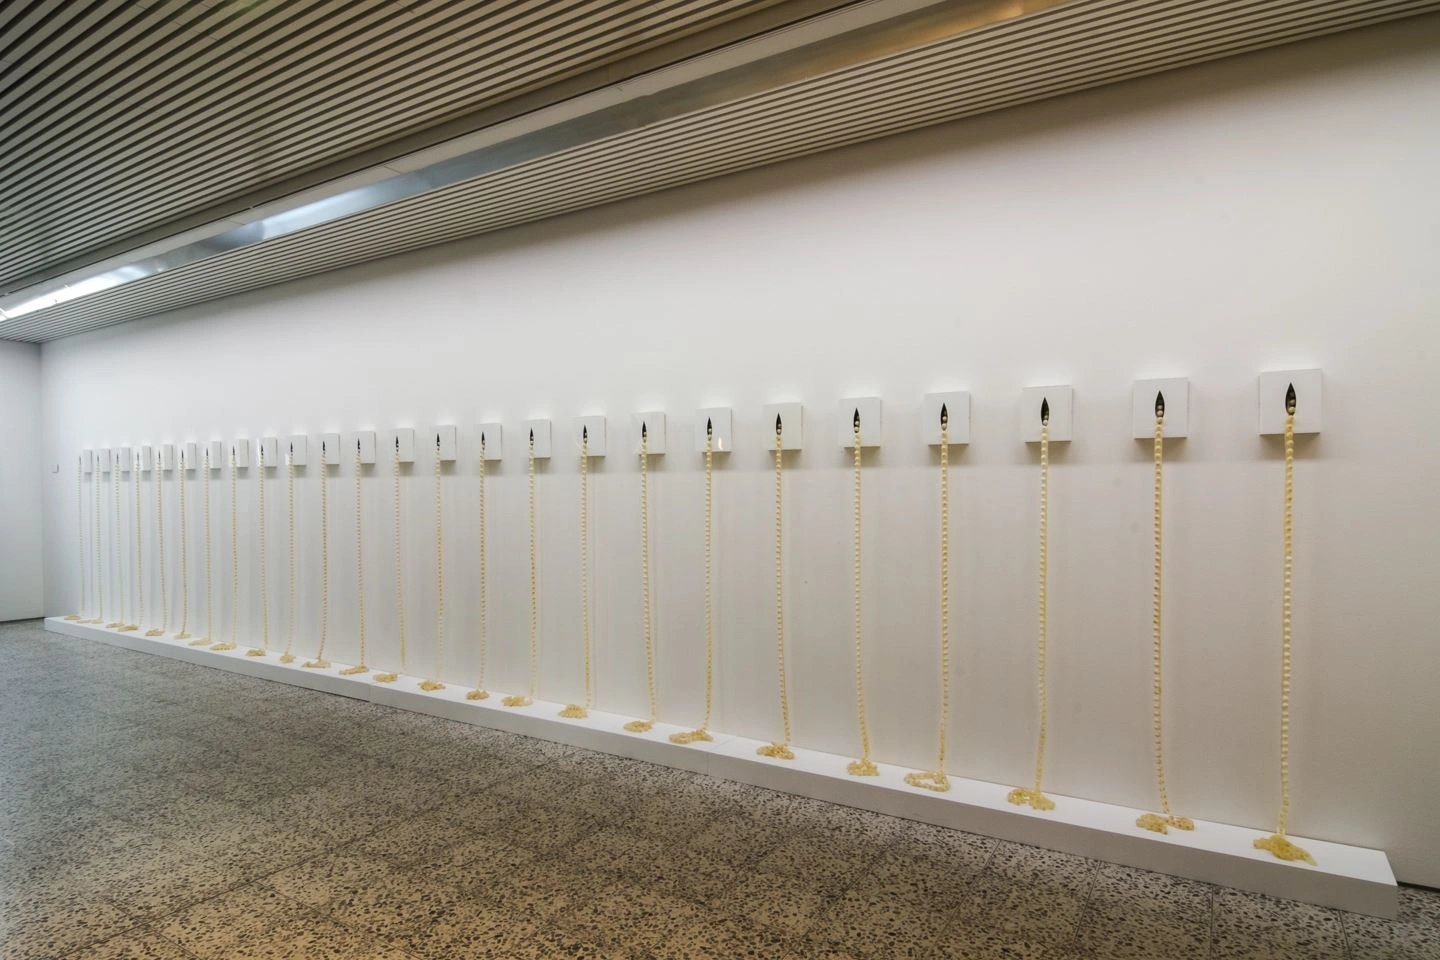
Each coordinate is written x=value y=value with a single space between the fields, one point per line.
x=1065 y=49
x=129 y=115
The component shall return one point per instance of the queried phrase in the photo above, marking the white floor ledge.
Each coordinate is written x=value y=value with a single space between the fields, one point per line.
x=1350 y=878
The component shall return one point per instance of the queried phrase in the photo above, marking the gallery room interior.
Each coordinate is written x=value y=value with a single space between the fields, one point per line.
x=739 y=479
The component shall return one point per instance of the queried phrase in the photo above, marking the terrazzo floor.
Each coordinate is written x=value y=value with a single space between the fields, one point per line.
x=155 y=809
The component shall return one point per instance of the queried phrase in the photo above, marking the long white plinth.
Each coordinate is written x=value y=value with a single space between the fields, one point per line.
x=1350 y=878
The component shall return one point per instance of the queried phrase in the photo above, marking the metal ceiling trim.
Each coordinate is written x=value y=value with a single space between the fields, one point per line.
x=1061 y=49
x=827 y=44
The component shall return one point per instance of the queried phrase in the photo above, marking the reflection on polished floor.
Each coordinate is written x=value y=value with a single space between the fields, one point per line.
x=154 y=809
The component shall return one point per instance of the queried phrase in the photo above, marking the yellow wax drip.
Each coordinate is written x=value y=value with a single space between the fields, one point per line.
x=702 y=733
x=209 y=581
x=864 y=767
x=234 y=563
x=392 y=676
x=320 y=663
x=936 y=779
x=97 y=579
x=359 y=573
x=264 y=570
x=1021 y=795
x=289 y=655
x=119 y=583
x=480 y=693
x=1159 y=822
x=80 y=532
x=158 y=475
x=576 y=711
x=517 y=699
x=780 y=750
x=643 y=726
x=184 y=633
x=264 y=649
x=1277 y=843
x=137 y=574
x=436 y=684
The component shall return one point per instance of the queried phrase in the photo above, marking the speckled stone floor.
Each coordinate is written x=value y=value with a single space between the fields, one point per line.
x=154 y=809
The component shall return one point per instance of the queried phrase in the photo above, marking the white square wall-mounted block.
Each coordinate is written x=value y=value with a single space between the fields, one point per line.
x=402 y=444
x=868 y=408
x=1308 y=409
x=189 y=455
x=791 y=417
x=365 y=439
x=125 y=459
x=1061 y=401
x=653 y=424
x=297 y=449
x=956 y=405
x=442 y=441
x=103 y=459
x=721 y=421
x=215 y=452
x=240 y=450
x=147 y=458
x=87 y=461
x=167 y=456
x=535 y=434
x=327 y=449
x=592 y=430
x=267 y=452
x=1176 y=391
x=491 y=437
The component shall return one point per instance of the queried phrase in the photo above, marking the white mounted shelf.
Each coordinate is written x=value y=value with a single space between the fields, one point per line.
x=792 y=426
x=592 y=429
x=1350 y=878
x=721 y=421
x=493 y=436
x=538 y=433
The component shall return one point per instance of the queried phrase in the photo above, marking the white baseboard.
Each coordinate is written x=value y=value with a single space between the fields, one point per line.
x=1349 y=878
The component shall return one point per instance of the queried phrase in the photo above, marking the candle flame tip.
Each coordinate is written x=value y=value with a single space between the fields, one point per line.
x=1044 y=410
x=1159 y=404
x=1290 y=399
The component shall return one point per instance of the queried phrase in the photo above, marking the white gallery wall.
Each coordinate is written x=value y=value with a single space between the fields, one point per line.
x=1274 y=211
x=21 y=576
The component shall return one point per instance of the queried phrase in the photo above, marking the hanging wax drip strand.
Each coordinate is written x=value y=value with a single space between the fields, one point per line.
x=97 y=580
x=359 y=573
x=576 y=711
x=391 y=677
x=480 y=693
x=516 y=699
x=780 y=749
x=641 y=726
x=137 y=573
x=184 y=557
x=1277 y=843
x=289 y=655
x=320 y=663
x=435 y=683
x=209 y=583
x=230 y=644
x=864 y=767
x=80 y=532
x=119 y=582
x=1022 y=795
x=936 y=779
x=159 y=477
x=1159 y=822
x=702 y=733
x=264 y=578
